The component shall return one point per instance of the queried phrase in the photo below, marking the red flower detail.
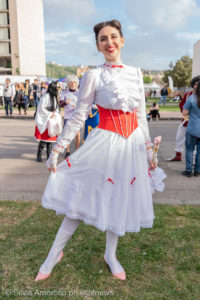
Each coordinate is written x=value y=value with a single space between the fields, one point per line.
x=109 y=179
x=133 y=180
x=67 y=160
x=60 y=146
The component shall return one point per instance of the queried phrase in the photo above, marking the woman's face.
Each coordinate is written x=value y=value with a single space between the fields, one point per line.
x=110 y=43
x=73 y=85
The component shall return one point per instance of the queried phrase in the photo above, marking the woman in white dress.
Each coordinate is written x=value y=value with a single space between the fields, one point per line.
x=106 y=182
x=48 y=108
x=68 y=101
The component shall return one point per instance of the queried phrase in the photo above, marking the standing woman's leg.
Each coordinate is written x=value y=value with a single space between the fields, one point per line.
x=19 y=108
x=6 y=101
x=197 y=160
x=110 y=256
x=180 y=138
x=189 y=145
x=78 y=139
x=11 y=106
x=64 y=233
x=48 y=148
x=40 y=149
x=25 y=104
x=24 y=107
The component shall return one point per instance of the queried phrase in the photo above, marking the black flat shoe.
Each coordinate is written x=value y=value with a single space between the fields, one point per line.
x=196 y=174
x=186 y=173
x=67 y=155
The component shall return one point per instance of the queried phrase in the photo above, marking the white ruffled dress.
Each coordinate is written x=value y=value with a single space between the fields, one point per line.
x=106 y=182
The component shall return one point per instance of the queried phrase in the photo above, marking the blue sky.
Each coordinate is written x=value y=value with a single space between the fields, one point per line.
x=156 y=31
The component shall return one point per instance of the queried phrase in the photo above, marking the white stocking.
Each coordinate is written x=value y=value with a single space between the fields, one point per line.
x=64 y=233
x=110 y=254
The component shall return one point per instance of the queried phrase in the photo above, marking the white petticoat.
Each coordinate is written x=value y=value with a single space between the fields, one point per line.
x=106 y=183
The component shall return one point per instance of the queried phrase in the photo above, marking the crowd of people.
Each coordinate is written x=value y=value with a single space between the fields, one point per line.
x=22 y=95
x=188 y=132
x=53 y=99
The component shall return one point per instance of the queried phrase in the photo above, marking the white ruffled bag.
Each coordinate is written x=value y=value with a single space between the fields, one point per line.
x=55 y=125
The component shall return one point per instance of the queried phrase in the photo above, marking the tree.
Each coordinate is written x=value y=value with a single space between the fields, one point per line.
x=181 y=72
x=147 y=79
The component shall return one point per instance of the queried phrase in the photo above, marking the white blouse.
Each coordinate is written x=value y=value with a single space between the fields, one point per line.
x=111 y=88
x=43 y=115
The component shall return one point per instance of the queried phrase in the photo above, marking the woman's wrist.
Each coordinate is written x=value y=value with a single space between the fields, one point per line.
x=55 y=151
x=149 y=148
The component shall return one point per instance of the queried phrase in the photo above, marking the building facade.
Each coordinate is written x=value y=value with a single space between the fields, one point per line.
x=22 y=45
x=81 y=70
x=196 y=59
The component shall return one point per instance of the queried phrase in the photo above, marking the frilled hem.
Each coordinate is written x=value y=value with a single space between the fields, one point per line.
x=44 y=136
x=98 y=226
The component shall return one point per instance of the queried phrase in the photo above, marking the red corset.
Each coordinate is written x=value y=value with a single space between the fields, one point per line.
x=117 y=121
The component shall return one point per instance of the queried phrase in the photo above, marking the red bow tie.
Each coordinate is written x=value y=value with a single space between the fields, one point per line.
x=114 y=66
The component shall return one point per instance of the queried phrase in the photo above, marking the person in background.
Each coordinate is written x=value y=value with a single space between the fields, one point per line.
x=192 y=109
x=92 y=121
x=164 y=94
x=177 y=98
x=180 y=135
x=68 y=101
x=36 y=93
x=60 y=90
x=15 y=101
x=27 y=93
x=20 y=100
x=43 y=88
x=8 y=94
x=47 y=108
x=1 y=95
x=154 y=93
x=154 y=112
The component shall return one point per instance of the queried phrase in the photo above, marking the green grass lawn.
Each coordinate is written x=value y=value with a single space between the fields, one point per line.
x=168 y=107
x=160 y=263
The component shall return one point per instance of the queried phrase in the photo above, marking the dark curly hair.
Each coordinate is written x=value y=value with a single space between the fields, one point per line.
x=53 y=93
x=198 y=94
x=113 y=23
x=195 y=79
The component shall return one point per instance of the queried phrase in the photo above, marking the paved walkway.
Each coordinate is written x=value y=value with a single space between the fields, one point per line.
x=22 y=178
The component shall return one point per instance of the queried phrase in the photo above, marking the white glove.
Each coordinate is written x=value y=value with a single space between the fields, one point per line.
x=150 y=156
x=52 y=161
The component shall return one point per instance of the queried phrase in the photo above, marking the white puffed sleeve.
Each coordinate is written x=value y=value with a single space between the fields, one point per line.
x=141 y=111
x=80 y=114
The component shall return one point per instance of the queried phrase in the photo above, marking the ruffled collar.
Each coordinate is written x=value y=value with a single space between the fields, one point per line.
x=124 y=84
x=113 y=65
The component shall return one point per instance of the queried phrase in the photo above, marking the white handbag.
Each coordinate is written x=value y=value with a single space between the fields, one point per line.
x=54 y=125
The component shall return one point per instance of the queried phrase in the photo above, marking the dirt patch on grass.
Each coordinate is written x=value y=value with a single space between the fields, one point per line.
x=13 y=215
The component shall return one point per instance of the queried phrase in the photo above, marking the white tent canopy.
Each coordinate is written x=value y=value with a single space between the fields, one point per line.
x=153 y=86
